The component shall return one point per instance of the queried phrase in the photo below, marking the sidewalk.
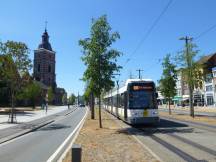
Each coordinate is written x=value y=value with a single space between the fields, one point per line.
x=32 y=122
x=28 y=116
x=196 y=108
x=109 y=144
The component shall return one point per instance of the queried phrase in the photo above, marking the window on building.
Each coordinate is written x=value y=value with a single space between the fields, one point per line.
x=208 y=88
x=38 y=67
x=49 y=68
x=208 y=78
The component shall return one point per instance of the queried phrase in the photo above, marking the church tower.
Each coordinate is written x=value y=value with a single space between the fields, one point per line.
x=44 y=62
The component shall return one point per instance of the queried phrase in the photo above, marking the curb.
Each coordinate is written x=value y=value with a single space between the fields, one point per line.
x=24 y=132
x=11 y=137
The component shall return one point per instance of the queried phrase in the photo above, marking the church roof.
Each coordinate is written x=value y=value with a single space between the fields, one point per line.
x=45 y=42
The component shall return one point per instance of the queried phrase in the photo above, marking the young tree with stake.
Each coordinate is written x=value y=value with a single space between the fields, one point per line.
x=100 y=58
x=168 y=80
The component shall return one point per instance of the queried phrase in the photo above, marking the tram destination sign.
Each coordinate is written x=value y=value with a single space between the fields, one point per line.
x=142 y=87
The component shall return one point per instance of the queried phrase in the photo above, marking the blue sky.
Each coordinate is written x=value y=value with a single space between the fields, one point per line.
x=70 y=20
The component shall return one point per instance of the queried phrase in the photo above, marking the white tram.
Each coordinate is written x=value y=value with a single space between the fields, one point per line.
x=135 y=102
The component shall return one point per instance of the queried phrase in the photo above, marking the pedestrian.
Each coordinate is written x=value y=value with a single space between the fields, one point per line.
x=68 y=106
x=46 y=106
x=46 y=103
x=43 y=104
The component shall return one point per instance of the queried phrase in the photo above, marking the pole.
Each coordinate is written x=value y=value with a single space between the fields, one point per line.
x=189 y=65
x=139 y=70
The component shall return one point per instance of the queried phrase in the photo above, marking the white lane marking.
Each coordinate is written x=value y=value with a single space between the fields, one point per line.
x=53 y=156
x=147 y=148
x=70 y=145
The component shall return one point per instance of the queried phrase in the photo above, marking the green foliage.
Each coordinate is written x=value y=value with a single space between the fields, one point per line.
x=15 y=63
x=32 y=92
x=99 y=57
x=72 y=99
x=50 y=95
x=64 y=99
x=191 y=69
x=87 y=94
x=168 y=79
x=18 y=52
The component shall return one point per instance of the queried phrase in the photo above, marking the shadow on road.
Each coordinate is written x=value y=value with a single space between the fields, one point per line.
x=54 y=127
x=164 y=127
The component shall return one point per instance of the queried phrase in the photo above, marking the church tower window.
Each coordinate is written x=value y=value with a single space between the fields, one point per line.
x=49 y=69
x=38 y=67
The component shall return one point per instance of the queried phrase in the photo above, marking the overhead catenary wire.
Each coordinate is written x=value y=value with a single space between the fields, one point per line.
x=205 y=32
x=149 y=30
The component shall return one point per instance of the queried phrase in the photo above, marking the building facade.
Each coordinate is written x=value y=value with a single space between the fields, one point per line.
x=204 y=95
x=44 y=62
x=45 y=66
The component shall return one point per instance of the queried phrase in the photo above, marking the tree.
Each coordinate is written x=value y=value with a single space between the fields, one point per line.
x=50 y=95
x=32 y=92
x=15 y=66
x=72 y=99
x=191 y=69
x=100 y=58
x=89 y=98
x=168 y=80
x=64 y=99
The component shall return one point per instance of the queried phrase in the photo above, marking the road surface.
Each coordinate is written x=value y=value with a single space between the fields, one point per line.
x=38 y=146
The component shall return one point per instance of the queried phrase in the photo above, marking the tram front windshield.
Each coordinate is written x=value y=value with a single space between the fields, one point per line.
x=142 y=96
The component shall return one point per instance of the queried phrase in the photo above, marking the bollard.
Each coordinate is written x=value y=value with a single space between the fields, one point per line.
x=76 y=153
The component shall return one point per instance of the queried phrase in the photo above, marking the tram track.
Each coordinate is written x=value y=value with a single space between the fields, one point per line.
x=172 y=144
x=174 y=149
x=194 y=144
x=203 y=126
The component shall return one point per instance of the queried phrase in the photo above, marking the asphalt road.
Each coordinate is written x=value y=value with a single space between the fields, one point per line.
x=173 y=141
x=39 y=145
x=208 y=114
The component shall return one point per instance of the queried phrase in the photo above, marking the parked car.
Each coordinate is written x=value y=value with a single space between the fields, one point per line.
x=81 y=105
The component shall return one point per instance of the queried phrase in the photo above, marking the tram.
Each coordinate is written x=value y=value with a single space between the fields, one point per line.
x=135 y=102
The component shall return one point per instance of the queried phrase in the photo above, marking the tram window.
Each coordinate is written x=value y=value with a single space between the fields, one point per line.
x=115 y=100
x=121 y=100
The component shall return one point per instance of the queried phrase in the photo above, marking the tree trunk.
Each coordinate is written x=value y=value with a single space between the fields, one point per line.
x=100 y=122
x=191 y=102
x=12 y=107
x=169 y=106
x=33 y=104
x=92 y=106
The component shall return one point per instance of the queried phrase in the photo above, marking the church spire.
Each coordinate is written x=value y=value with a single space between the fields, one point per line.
x=45 y=40
x=46 y=26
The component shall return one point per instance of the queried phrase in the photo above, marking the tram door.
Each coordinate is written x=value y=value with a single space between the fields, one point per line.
x=125 y=104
